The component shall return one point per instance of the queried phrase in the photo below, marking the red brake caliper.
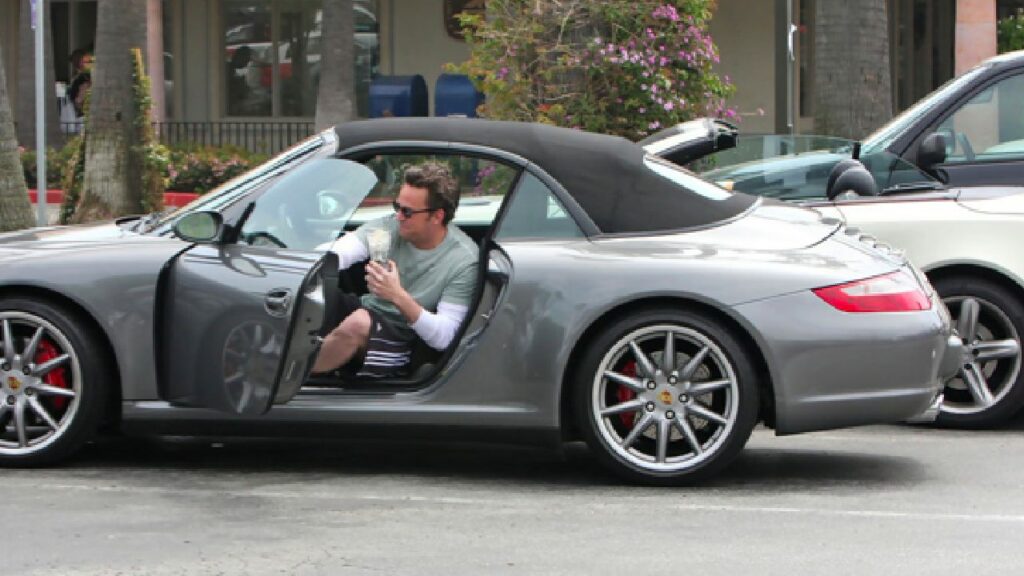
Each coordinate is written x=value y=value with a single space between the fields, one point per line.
x=57 y=376
x=625 y=394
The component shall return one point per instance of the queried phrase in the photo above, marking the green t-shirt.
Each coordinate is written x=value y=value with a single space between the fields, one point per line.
x=446 y=273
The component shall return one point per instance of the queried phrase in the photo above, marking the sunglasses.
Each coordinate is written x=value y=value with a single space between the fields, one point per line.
x=407 y=212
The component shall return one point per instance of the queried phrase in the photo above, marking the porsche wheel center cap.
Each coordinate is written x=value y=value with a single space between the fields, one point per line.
x=665 y=396
x=13 y=383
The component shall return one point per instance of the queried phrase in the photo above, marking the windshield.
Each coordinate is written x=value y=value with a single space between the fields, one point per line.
x=308 y=206
x=227 y=193
x=884 y=136
x=798 y=167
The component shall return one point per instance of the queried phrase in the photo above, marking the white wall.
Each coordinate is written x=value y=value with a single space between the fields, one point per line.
x=419 y=43
x=743 y=30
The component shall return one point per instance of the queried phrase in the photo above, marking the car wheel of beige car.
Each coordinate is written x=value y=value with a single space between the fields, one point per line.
x=666 y=397
x=990 y=320
x=51 y=383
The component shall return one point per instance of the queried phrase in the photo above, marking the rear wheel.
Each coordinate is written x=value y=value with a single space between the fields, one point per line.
x=666 y=397
x=989 y=388
x=52 y=383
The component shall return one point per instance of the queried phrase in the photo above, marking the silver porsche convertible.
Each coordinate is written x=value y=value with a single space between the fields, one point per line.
x=621 y=300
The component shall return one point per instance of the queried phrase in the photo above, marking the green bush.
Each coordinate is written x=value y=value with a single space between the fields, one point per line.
x=625 y=68
x=201 y=169
x=185 y=168
x=55 y=161
x=1010 y=32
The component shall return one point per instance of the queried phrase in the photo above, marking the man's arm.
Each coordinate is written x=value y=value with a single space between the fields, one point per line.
x=438 y=330
x=350 y=249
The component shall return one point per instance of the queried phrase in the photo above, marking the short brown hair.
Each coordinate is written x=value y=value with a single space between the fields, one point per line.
x=442 y=191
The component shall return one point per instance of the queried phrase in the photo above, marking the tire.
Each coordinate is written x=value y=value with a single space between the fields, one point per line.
x=999 y=326
x=61 y=408
x=623 y=419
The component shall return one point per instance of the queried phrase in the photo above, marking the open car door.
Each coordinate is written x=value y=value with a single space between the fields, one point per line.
x=242 y=320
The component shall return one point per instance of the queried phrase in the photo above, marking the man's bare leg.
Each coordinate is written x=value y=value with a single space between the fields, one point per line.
x=343 y=342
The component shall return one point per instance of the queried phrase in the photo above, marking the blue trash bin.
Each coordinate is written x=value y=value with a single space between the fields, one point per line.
x=455 y=95
x=398 y=96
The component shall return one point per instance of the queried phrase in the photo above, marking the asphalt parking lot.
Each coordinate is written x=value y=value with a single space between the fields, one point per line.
x=878 y=500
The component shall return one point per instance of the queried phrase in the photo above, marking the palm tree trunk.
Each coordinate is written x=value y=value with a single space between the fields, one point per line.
x=336 y=100
x=27 y=84
x=113 y=176
x=15 y=210
x=852 y=84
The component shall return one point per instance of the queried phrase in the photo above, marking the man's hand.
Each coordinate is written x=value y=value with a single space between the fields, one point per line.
x=386 y=284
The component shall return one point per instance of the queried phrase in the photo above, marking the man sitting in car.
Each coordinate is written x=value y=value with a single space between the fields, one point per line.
x=420 y=279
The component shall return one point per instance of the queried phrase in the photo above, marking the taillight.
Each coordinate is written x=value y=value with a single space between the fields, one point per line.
x=895 y=292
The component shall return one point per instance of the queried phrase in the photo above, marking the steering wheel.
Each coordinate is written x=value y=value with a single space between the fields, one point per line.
x=966 y=145
x=262 y=239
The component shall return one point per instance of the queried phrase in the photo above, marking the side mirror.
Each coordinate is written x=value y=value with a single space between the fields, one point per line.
x=201 y=227
x=854 y=179
x=932 y=151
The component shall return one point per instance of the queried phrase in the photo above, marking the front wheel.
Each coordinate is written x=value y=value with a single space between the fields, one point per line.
x=52 y=383
x=989 y=388
x=666 y=397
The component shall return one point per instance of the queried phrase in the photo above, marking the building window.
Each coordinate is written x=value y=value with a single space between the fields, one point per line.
x=272 y=52
x=452 y=9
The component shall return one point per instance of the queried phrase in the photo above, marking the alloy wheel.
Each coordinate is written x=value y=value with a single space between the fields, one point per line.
x=991 y=358
x=40 y=383
x=665 y=398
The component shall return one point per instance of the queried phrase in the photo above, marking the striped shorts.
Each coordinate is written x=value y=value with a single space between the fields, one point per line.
x=387 y=353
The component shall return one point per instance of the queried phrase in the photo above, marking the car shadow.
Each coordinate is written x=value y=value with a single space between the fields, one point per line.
x=575 y=465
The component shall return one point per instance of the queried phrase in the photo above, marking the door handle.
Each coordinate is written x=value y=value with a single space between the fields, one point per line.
x=278 y=302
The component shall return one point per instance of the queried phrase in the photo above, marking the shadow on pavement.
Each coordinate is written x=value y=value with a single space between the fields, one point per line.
x=775 y=469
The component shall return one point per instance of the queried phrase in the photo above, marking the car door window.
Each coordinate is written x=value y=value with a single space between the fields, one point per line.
x=535 y=212
x=989 y=127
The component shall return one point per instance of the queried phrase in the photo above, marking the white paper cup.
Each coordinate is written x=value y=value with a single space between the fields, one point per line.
x=379 y=244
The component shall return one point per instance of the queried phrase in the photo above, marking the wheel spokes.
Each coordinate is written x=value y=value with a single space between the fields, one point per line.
x=691 y=437
x=977 y=384
x=637 y=430
x=645 y=364
x=996 y=350
x=8 y=337
x=19 y=422
x=694 y=363
x=668 y=357
x=664 y=431
x=629 y=406
x=706 y=414
x=967 y=323
x=30 y=350
x=632 y=383
x=40 y=411
x=701 y=388
x=48 y=366
x=54 y=390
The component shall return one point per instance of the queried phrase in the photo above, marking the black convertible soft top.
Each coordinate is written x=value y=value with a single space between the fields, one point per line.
x=605 y=174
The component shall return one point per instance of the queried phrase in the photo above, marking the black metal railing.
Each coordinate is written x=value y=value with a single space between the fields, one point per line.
x=259 y=137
